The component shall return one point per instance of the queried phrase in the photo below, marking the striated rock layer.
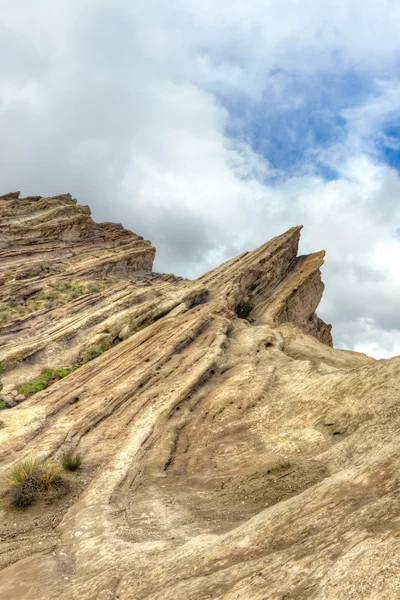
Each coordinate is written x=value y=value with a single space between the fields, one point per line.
x=41 y=236
x=224 y=457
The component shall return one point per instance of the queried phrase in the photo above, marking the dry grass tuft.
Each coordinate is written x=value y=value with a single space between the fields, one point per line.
x=31 y=477
x=71 y=461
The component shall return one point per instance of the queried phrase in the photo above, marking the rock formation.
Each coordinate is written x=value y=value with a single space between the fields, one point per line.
x=229 y=452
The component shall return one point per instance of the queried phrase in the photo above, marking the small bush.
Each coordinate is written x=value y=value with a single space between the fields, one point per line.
x=91 y=353
x=96 y=350
x=61 y=373
x=244 y=309
x=44 y=380
x=22 y=496
x=2 y=405
x=31 y=387
x=23 y=470
x=50 y=475
x=31 y=477
x=71 y=461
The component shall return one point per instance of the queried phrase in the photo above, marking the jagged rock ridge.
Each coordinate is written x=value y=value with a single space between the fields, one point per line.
x=57 y=234
x=224 y=457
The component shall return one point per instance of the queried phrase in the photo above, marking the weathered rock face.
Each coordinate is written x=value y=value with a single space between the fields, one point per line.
x=41 y=236
x=224 y=457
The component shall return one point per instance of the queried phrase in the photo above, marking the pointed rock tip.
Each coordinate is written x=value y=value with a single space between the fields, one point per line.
x=293 y=230
x=317 y=258
x=10 y=196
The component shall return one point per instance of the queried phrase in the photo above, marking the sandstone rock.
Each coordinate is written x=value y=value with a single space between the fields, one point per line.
x=9 y=401
x=7 y=389
x=223 y=458
x=10 y=196
x=33 y=198
x=60 y=229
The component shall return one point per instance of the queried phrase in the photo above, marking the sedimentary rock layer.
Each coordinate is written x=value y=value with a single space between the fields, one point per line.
x=41 y=237
x=224 y=457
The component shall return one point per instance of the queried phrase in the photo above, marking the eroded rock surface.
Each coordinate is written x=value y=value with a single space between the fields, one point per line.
x=225 y=458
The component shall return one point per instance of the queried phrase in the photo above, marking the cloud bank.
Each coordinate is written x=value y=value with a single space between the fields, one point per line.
x=211 y=127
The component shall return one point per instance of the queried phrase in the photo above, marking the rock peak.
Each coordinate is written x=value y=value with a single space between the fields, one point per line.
x=228 y=450
x=58 y=228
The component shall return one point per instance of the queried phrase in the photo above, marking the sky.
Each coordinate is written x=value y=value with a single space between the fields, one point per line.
x=210 y=127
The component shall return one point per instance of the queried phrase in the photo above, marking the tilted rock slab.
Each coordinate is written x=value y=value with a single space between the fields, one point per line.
x=224 y=458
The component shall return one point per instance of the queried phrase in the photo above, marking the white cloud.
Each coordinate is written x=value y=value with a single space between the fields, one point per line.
x=148 y=112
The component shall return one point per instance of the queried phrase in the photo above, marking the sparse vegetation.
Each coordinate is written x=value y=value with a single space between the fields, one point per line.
x=92 y=352
x=22 y=496
x=2 y=405
x=39 y=270
x=4 y=314
x=96 y=350
x=30 y=478
x=49 y=297
x=244 y=308
x=286 y=464
x=71 y=461
x=44 y=380
x=50 y=376
x=74 y=289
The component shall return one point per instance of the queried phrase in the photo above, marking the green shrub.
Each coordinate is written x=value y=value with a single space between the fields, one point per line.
x=92 y=352
x=10 y=312
x=31 y=387
x=31 y=477
x=71 y=289
x=244 y=309
x=71 y=461
x=64 y=372
x=23 y=470
x=76 y=290
x=4 y=316
x=44 y=380
x=96 y=350
x=2 y=405
x=50 y=475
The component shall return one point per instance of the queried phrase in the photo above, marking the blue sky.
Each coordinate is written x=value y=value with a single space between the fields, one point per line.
x=389 y=144
x=288 y=136
x=211 y=127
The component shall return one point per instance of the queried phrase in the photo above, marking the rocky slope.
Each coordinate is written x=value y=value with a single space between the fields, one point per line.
x=224 y=457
